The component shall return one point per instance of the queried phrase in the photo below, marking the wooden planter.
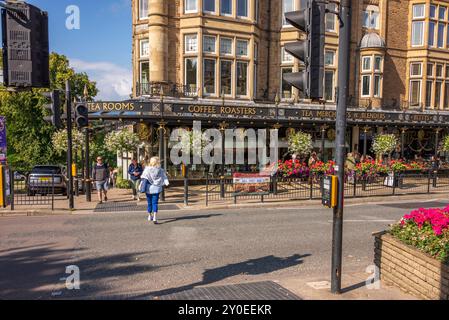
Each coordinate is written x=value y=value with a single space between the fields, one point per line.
x=410 y=269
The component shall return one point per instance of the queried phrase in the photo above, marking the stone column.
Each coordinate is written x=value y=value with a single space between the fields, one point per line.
x=158 y=36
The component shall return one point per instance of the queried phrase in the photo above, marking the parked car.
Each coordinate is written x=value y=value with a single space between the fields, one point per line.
x=39 y=180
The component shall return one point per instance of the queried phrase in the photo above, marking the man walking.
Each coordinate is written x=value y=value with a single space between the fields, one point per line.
x=100 y=174
x=135 y=171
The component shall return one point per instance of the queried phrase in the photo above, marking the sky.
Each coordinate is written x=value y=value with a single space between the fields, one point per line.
x=101 y=46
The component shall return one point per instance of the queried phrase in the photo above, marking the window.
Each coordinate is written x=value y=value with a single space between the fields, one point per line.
x=440 y=39
x=366 y=64
x=438 y=88
x=330 y=18
x=191 y=43
x=446 y=95
x=286 y=57
x=417 y=33
x=226 y=77
x=377 y=84
x=191 y=67
x=432 y=13
x=145 y=72
x=242 y=8
x=431 y=34
x=242 y=48
x=226 y=46
x=429 y=86
x=226 y=7
x=209 y=44
x=329 y=58
x=419 y=11
x=144 y=48
x=329 y=86
x=415 y=69
x=190 y=6
x=209 y=77
x=256 y=51
x=442 y=13
x=430 y=69
x=143 y=9
x=209 y=6
x=377 y=63
x=439 y=72
x=371 y=17
x=286 y=88
x=287 y=6
x=255 y=82
x=415 y=93
x=242 y=78
x=366 y=83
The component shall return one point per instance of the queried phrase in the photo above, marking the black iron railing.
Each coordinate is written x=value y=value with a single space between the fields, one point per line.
x=166 y=89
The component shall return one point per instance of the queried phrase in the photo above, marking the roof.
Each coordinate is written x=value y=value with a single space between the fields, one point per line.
x=372 y=40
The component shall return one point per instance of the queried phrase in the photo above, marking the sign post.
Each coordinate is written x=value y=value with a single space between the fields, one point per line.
x=3 y=142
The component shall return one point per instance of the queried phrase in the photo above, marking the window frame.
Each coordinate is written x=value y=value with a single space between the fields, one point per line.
x=231 y=61
x=232 y=47
x=141 y=4
x=185 y=70
x=237 y=79
x=203 y=82
x=186 y=35
x=141 y=42
x=209 y=11
x=210 y=36
x=284 y=22
x=221 y=8
x=193 y=10
x=237 y=9
x=237 y=53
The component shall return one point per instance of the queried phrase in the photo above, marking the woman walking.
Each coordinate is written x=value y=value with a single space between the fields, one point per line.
x=156 y=178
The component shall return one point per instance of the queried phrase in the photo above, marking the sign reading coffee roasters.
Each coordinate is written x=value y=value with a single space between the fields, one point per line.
x=223 y=110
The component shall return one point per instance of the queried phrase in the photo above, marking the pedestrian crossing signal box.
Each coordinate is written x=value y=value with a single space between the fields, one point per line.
x=330 y=188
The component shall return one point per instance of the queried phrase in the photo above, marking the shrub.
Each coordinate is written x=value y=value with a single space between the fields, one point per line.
x=300 y=143
x=427 y=230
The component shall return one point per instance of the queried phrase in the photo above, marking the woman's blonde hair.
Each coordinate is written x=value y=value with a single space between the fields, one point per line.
x=154 y=162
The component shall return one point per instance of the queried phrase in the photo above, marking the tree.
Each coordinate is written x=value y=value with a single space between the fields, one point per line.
x=121 y=141
x=29 y=136
x=384 y=144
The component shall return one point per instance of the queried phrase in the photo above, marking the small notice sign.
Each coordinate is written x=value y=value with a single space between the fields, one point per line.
x=251 y=184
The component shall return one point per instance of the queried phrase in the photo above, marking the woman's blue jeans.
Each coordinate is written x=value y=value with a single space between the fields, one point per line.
x=152 y=200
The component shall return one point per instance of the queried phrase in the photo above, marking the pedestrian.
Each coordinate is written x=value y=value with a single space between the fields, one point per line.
x=313 y=159
x=135 y=171
x=350 y=162
x=156 y=178
x=100 y=174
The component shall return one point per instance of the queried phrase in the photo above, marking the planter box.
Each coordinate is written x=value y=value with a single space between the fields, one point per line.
x=410 y=269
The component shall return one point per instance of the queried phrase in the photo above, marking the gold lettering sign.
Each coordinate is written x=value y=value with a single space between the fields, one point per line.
x=110 y=106
x=244 y=111
x=202 y=109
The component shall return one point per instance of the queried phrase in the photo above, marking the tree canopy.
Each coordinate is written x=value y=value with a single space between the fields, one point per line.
x=29 y=136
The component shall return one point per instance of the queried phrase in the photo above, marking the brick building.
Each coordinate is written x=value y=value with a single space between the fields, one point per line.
x=230 y=52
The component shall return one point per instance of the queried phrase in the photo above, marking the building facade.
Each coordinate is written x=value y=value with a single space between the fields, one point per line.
x=231 y=53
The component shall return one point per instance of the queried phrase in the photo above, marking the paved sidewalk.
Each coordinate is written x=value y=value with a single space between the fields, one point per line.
x=121 y=200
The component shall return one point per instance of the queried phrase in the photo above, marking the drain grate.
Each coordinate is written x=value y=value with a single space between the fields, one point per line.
x=129 y=207
x=266 y=290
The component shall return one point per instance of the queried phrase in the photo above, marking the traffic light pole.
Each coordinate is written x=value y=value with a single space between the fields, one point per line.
x=69 y=145
x=343 y=83
x=87 y=184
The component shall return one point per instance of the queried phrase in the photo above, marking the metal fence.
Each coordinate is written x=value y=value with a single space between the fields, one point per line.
x=35 y=192
x=311 y=188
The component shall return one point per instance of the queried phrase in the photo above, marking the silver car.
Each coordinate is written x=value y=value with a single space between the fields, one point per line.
x=46 y=180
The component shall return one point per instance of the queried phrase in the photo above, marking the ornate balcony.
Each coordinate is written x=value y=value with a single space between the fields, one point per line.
x=170 y=89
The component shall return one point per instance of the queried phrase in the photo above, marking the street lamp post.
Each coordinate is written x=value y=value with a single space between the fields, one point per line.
x=365 y=141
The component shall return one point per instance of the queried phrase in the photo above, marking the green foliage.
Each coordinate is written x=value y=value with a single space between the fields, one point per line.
x=29 y=136
x=446 y=144
x=98 y=148
x=59 y=140
x=122 y=183
x=300 y=143
x=121 y=141
x=384 y=144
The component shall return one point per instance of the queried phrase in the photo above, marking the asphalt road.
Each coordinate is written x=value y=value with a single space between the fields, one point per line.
x=122 y=255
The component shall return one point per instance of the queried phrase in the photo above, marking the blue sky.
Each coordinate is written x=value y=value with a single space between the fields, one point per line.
x=102 y=45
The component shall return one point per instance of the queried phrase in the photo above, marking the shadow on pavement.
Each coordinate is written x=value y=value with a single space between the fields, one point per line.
x=258 y=266
x=37 y=272
x=170 y=220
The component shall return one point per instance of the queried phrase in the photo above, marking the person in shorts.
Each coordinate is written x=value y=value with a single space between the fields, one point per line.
x=100 y=174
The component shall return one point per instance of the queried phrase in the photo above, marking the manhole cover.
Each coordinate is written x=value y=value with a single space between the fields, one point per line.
x=266 y=290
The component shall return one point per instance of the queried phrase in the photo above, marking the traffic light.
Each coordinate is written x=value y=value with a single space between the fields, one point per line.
x=81 y=115
x=25 y=46
x=54 y=107
x=311 y=21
